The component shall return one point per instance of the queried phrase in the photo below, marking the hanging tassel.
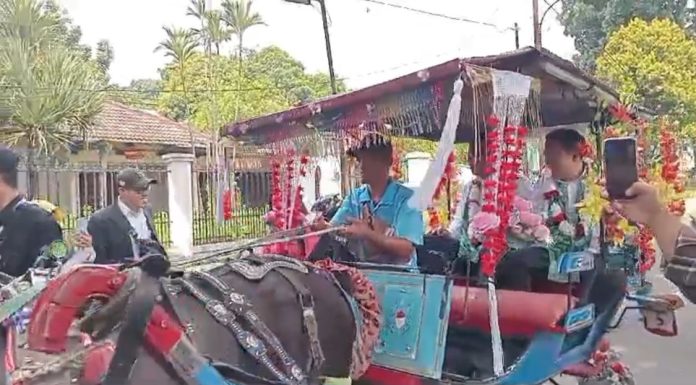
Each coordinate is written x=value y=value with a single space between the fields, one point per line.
x=423 y=196
x=496 y=339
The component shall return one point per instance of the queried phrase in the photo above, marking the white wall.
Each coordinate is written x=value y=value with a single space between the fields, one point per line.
x=330 y=182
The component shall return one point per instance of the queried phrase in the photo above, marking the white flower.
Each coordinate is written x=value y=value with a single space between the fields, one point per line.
x=566 y=228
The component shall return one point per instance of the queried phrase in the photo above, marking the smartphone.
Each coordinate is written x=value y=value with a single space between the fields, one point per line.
x=620 y=165
x=82 y=225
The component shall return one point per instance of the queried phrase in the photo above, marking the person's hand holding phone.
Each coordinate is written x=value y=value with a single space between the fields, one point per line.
x=642 y=207
x=620 y=166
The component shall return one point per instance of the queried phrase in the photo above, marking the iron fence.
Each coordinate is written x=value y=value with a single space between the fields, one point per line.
x=250 y=204
x=81 y=188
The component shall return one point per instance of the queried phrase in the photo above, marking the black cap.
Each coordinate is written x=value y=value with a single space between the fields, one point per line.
x=371 y=142
x=134 y=179
x=9 y=160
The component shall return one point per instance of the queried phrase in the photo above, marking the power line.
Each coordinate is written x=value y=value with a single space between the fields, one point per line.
x=440 y=15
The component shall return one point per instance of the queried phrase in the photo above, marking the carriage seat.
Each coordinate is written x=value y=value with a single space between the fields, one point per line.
x=520 y=313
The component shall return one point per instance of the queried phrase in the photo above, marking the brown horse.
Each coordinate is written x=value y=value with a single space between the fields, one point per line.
x=273 y=286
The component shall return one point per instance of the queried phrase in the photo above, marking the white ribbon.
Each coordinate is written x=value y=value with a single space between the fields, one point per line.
x=423 y=196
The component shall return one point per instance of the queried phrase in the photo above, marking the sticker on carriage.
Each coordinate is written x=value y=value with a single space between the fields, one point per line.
x=572 y=262
x=659 y=317
x=580 y=318
x=662 y=323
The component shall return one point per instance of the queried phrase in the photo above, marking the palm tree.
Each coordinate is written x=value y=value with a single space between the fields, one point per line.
x=239 y=17
x=50 y=94
x=216 y=31
x=180 y=46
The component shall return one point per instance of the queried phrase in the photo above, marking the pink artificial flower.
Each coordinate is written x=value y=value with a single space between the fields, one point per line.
x=542 y=233
x=522 y=204
x=529 y=219
x=483 y=222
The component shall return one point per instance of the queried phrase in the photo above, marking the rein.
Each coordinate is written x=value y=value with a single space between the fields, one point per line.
x=138 y=314
x=285 y=236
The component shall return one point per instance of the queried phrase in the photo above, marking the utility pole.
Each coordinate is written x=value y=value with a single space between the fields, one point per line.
x=327 y=38
x=537 y=25
x=516 y=28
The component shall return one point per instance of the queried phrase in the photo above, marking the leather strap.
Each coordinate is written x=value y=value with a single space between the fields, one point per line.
x=3 y=349
x=131 y=337
x=309 y=320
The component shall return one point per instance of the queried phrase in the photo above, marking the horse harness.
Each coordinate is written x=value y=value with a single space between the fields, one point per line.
x=234 y=311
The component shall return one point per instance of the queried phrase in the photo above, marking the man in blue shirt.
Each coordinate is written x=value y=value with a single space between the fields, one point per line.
x=377 y=213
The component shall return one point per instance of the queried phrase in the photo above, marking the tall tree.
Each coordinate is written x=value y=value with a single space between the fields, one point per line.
x=273 y=81
x=180 y=46
x=239 y=18
x=590 y=22
x=104 y=55
x=51 y=93
x=651 y=63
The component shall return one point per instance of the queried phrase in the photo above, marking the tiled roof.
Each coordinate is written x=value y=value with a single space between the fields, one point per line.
x=125 y=124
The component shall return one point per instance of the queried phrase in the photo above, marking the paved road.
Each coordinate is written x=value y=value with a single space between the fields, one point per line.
x=658 y=360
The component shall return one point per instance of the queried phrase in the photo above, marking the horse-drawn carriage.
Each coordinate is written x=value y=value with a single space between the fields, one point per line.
x=270 y=319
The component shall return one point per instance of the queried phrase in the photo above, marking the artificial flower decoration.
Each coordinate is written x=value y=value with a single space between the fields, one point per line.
x=505 y=145
x=621 y=113
x=449 y=179
x=227 y=205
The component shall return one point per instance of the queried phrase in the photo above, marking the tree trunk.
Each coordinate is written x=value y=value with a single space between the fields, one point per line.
x=32 y=182
x=239 y=75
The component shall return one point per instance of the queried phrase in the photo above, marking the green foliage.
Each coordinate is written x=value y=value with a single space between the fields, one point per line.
x=141 y=93
x=406 y=145
x=272 y=81
x=590 y=22
x=50 y=92
x=651 y=64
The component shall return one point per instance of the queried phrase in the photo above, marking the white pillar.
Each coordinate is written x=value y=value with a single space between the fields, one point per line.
x=180 y=202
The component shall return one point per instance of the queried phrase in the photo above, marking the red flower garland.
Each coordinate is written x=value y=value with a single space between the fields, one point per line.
x=396 y=170
x=670 y=167
x=227 y=205
x=449 y=176
x=500 y=187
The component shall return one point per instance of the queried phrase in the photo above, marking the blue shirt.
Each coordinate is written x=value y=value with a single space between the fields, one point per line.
x=393 y=209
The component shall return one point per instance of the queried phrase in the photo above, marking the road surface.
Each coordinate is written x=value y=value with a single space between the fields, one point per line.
x=657 y=360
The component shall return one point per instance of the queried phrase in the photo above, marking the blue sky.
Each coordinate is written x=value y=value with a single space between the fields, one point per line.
x=371 y=42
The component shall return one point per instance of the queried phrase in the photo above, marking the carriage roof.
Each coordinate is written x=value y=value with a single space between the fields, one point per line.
x=566 y=96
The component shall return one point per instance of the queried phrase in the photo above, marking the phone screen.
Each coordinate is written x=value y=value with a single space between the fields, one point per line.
x=82 y=225
x=620 y=166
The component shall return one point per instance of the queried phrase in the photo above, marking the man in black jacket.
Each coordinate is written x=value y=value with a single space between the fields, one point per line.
x=26 y=230
x=117 y=229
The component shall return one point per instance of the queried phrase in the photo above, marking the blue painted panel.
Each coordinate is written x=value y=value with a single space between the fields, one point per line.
x=545 y=358
x=207 y=375
x=416 y=311
x=580 y=318
x=573 y=262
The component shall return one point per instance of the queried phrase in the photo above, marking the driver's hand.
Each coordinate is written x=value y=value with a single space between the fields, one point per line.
x=83 y=240
x=357 y=228
x=319 y=223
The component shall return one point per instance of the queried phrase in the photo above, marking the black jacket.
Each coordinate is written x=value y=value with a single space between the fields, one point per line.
x=26 y=230
x=111 y=234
